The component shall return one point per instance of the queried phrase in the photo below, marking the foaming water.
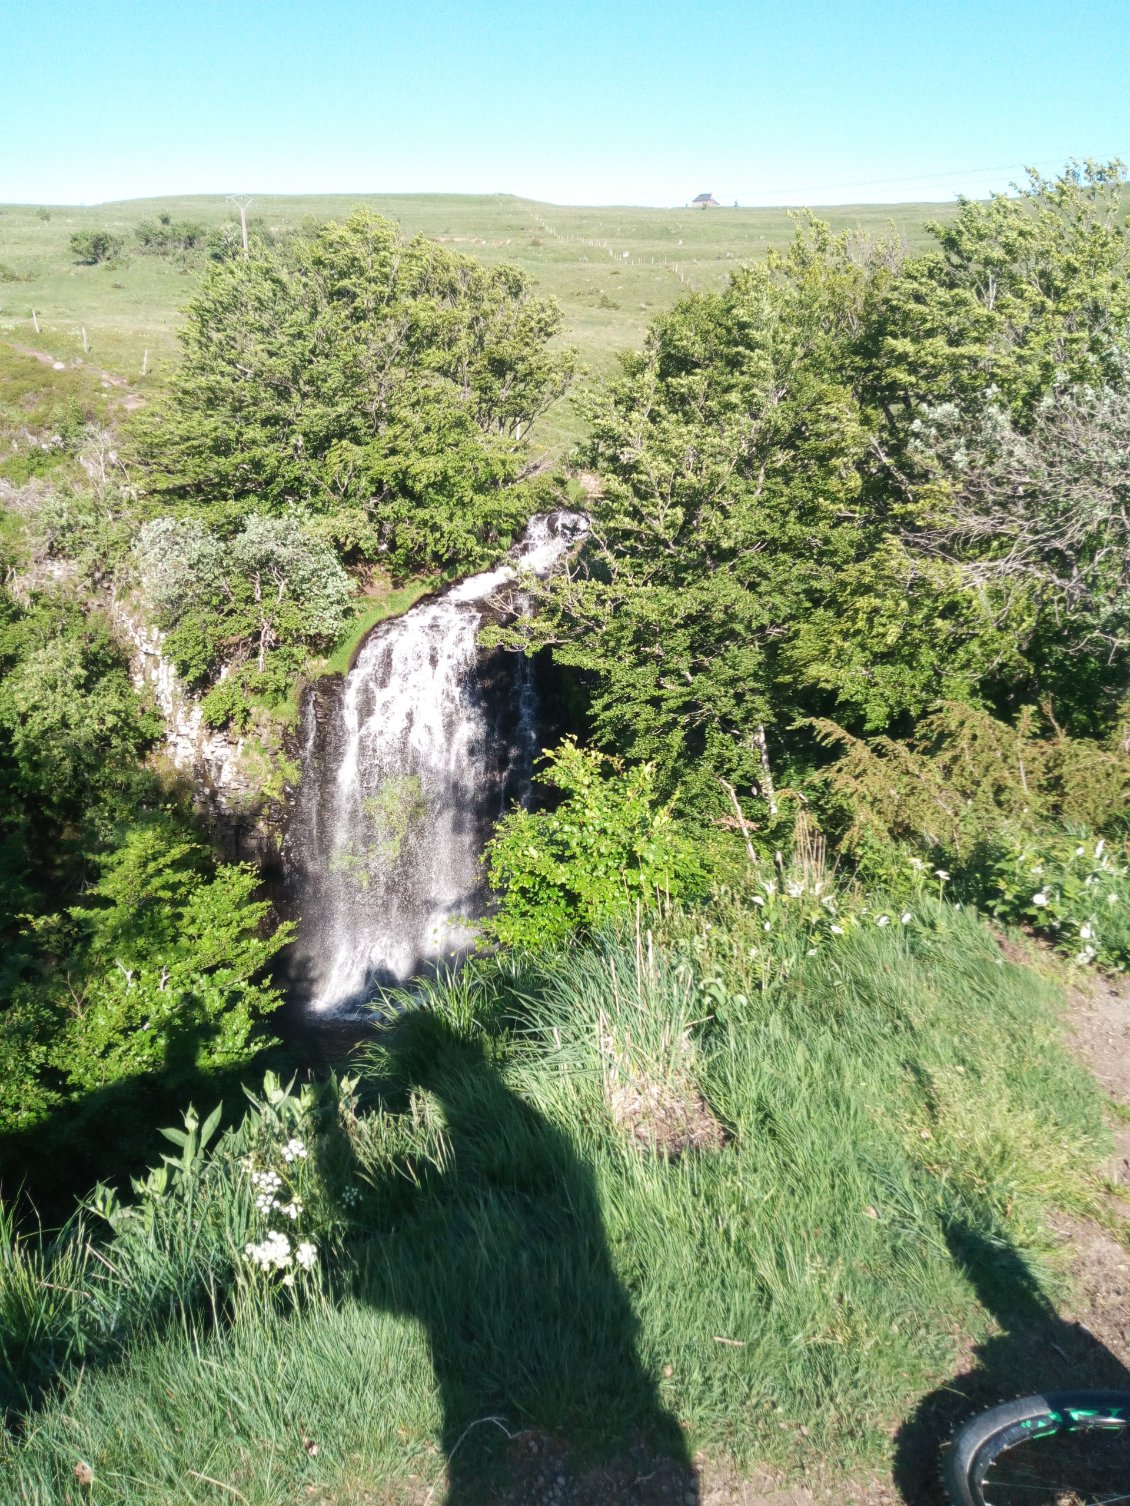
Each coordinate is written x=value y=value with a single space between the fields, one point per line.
x=403 y=774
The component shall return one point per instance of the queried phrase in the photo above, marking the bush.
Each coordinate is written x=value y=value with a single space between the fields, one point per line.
x=164 y=235
x=608 y=846
x=1069 y=888
x=92 y=246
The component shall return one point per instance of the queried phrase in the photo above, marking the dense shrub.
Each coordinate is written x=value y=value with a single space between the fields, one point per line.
x=352 y=369
x=607 y=845
x=93 y=246
x=164 y=235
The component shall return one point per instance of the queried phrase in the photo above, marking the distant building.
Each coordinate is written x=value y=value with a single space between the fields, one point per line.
x=705 y=201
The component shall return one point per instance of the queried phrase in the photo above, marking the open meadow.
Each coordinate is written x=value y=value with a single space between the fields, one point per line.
x=611 y=269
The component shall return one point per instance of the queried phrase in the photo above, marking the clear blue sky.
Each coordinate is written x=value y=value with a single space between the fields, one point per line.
x=596 y=101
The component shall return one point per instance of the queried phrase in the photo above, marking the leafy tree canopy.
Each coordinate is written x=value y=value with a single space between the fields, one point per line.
x=850 y=485
x=227 y=604
x=1023 y=291
x=351 y=372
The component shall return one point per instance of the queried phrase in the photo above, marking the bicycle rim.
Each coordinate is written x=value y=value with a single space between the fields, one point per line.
x=1071 y=1450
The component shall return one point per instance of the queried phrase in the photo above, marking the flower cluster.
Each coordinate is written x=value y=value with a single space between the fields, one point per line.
x=276 y=1196
x=268 y=1183
x=823 y=912
x=270 y=1254
x=274 y=1253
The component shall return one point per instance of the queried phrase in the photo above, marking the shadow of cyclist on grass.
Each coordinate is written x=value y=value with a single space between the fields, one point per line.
x=501 y=1255
x=1037 y=1351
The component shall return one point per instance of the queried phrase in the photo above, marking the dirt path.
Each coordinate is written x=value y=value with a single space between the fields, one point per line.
x=130 y=399
x=1100 y=1035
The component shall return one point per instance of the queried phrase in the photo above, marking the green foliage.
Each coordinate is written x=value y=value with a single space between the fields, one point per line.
x=350 y=369
x=608 y=846
x=1067 y=887
x=964 y=776
x=272 y=589
x=164 y=235
x=1022 y=291
x=171 y=955
x=738 y=576
x=92 y=246
x=849 y=486
x=71 y=724
x=191 y=1240
x=42 y=1287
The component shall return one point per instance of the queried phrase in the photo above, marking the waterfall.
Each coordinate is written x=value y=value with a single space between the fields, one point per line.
x=405 y=768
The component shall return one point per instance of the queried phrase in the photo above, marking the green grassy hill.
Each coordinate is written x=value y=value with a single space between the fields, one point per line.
x=611 y=269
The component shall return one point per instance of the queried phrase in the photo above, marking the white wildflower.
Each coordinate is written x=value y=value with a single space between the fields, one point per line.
x=292 y=1209
x=1112 y=899
x=882 y=920
x=306 y=1255
x=1099 y=845
x=272 y=1253
x=1085 y=933
x=1079 y=851
x=837 y=930
x=767 y=925
x=905 y=918
x=1040 y=900
x=917 y=864
x=941 y=873
x=794 y=890
x=294 y=1150
x=756 y=899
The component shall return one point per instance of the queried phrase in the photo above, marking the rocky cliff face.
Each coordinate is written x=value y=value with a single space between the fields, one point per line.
x=230 y=775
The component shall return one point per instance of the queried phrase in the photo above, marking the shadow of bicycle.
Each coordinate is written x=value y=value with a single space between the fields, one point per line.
x=1036 y=1350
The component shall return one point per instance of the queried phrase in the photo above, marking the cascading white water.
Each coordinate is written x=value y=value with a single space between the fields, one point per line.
x=399 y=788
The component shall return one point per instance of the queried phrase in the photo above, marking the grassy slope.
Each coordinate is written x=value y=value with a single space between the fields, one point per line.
x=889 y=1099
x=574 y=254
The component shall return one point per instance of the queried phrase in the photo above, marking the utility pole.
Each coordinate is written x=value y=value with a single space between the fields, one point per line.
x=242 y=203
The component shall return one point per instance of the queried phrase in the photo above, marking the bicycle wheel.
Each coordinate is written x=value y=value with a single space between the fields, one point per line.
x=1069 y=1448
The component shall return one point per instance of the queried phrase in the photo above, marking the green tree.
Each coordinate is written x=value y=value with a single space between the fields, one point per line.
x=93 y=246
x=226 y=604
x=851 y=485
x=1022 y=292
x=351 y=371
x=169 y=950
x=738 y=574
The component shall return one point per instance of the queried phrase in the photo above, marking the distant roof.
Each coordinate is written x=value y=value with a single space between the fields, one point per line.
x=704 y=198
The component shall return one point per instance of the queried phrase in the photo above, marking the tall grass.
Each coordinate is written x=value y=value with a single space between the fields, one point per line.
x=662 y=1185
